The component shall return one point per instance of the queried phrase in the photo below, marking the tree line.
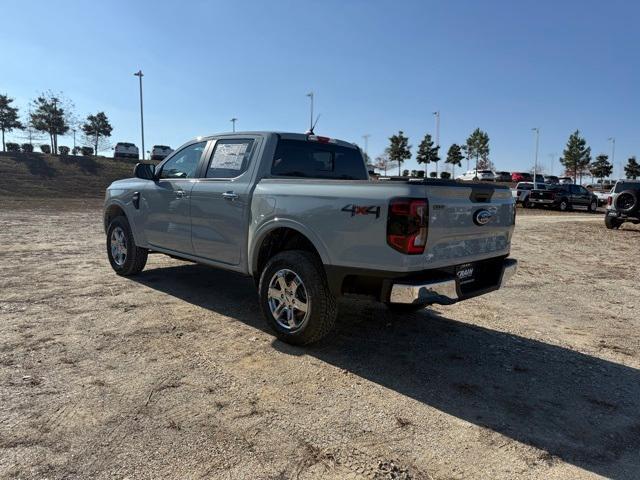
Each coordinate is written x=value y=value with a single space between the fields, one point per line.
x=577 y=161
x=51 y=115
x=576 y=157
x=476 y=149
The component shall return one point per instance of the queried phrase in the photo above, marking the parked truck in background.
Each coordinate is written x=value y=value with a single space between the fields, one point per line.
x=299 y=214
x=564 y=197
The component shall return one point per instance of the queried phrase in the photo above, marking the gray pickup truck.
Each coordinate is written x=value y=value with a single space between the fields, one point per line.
x=300 y=215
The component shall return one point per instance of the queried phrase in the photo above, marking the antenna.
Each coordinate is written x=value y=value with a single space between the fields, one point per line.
x=313 y=127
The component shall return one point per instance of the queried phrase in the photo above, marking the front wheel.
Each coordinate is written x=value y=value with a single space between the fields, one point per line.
x=564 y=205
x=593 y=206
x=124 y=256
x=295 y=298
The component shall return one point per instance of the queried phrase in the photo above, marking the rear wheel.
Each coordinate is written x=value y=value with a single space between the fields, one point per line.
x=612 y=223
x=125 y=257
x=295 y=298
x=593 y=206
x=564 y=205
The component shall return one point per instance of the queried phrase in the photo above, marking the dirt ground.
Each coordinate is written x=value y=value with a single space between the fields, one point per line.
x=172 y=374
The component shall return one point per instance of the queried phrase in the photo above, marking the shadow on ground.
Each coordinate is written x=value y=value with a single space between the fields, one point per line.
x=36 y=165
x=87 y=164
x=577 y=407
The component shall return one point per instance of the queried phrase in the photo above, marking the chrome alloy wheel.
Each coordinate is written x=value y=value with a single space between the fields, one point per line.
x=118 y=246
x=288 y=300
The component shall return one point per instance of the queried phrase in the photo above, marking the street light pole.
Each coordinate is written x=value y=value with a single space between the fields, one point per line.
x=310 y=95
x=233 y=122
x=613 y=154
x=437 y=115
x=535 y=165
x=139 y=74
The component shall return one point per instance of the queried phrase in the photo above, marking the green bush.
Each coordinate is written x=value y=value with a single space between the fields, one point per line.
x=445 y=175
x=27 y=148
x=13 y=147
x=87 y=151
x=433 y=174
x=75 y=151
x=44 y=148
x=64 y=150
x=405 y=173
x=420 y=173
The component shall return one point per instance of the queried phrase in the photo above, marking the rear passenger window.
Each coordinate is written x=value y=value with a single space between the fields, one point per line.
x=229 y=158
x=308 y=159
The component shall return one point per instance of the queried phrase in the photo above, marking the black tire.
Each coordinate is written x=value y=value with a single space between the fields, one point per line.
x=526 y=203
x=135 y=257
x=403 y=308
x=564 y=205
x=593 y=206
x=612 y=223
x=322 y=312
x=626 y=201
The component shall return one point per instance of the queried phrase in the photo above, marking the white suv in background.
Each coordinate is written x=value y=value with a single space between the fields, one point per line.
x=126 y=150
x=485 y=175
x=160 y=152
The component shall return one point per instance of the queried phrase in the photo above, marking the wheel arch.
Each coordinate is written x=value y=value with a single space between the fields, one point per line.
x=279 y=236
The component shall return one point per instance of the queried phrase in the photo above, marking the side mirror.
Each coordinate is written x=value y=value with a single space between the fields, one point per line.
x=145 y=171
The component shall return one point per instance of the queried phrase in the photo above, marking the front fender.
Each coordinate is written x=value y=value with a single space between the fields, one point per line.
x=126 y=205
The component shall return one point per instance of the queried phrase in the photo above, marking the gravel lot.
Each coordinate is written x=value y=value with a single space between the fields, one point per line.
x=172 y=375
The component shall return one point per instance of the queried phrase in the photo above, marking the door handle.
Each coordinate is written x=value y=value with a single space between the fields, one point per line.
x=180 y=194
x=230 y=195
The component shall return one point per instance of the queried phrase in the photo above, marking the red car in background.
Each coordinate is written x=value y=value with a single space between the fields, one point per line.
x=521 y=177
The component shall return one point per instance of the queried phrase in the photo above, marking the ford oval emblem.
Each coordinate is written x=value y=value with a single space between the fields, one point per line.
x=482 y=217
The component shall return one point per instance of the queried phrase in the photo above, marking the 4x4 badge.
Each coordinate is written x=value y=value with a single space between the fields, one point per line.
x=362 y=210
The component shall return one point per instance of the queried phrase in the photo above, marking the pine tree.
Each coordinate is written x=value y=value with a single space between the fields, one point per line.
x=454 y=157
x=632 y=168
x=477 y=147
x=97 y=127
x=8 y=117
x=576 y=155
x=427 y=153
x=601 y=167
x=399 y=149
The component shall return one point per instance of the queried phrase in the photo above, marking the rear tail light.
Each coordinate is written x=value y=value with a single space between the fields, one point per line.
x=407 y=225
x=609 y=200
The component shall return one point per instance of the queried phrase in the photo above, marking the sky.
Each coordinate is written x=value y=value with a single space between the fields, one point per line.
x=375 y=67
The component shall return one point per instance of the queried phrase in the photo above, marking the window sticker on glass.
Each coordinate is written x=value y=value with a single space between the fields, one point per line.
x=229 y=156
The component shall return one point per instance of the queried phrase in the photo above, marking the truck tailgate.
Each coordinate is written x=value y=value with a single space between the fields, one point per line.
x=468 y=223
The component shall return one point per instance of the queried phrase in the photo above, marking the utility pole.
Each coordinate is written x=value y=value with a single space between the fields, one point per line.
x=366 y=146
x=613 y=154
x=310 y=95
x=437 y=115
x=139 y=74
x=233 y=123
x=535 y=165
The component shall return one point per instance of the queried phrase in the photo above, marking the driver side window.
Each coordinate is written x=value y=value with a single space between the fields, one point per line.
x=184 y=163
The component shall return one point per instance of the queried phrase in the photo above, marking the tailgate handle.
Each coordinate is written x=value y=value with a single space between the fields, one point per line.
x=483 y=195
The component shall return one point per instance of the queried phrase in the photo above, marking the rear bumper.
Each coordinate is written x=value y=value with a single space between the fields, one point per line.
x=446 y=291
